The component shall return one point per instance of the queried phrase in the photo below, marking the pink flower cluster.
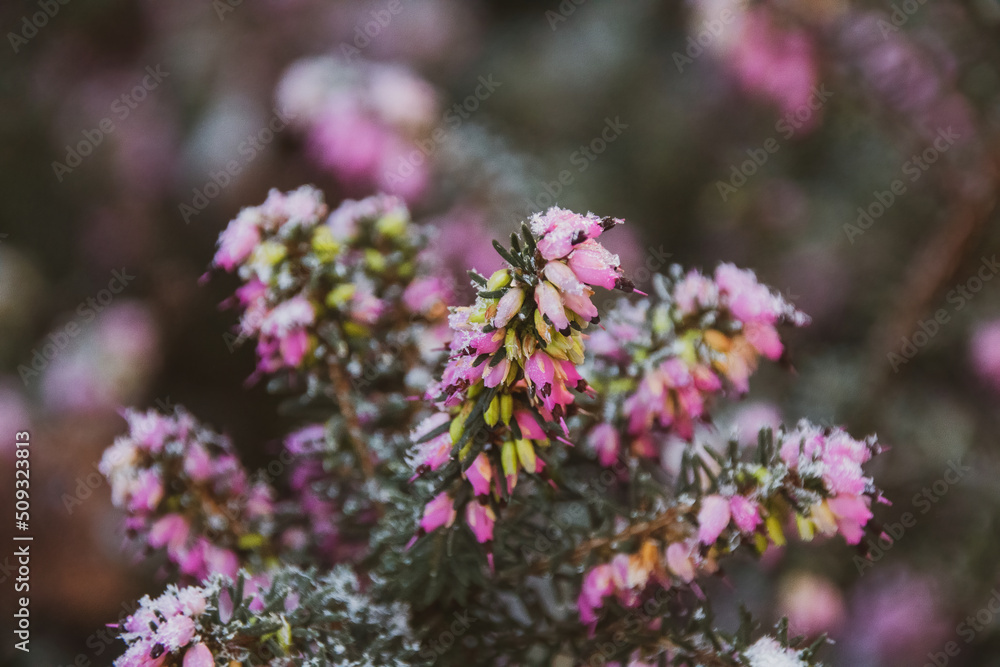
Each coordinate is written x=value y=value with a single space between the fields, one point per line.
x=165 y=629
x=776 y=63
x=303 y=268
x=185 y=491
x=520 y=345
x=834 y=458
x=361 y=120
x=750 y=506
x=702 y=335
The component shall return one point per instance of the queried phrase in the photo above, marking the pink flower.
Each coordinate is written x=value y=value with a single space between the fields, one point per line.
x=288 y=316
x=529 y=426
x=148 y=492
x=170 y=531
x=550 y=305
x=712 y=518
x=852 y=514
x=745 y=512
x=198 y=463
x=598 y=583
x=764 y=338
x=494 y=375
x=176 y=632
x=480 y=519
x=985 y=352
x=480 y=474
x=560 y=229
x=198 y=656
x=604 y=439
x=424 y=294
x=563 y=278
x=595 y=265
x=238 y=240
x=435 y=452
x=220 y=561
x=680 y=560
x=440 y=511
x=540 y=370
x=293 y=347
x=776 y=63
x=509 y=305
x=582 y=306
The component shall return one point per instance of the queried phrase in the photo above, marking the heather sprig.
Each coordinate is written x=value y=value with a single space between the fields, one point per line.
x=324 y=288
x=659 y=362
x=289 y=617
x=346 y=308
x=808 y=478
x=510 y=380
x=185 y=492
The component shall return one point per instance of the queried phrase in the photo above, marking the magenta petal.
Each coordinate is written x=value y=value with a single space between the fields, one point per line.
x=198 y=656
x=712 y=518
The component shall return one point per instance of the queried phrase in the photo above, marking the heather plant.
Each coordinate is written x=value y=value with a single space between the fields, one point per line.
x=482 y=484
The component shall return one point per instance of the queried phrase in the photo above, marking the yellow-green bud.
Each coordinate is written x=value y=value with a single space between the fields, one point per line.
x=492 y=415
x=512 y=345
x=526 y=454
x=457 y=427
x=269 y=253
x=375 y=260
x=774 y=530
x=508 y=458
x=324 y=245
x=806 y=528
x=391 y=225
x=340 y=295
x=500 y=278
x=506 y=407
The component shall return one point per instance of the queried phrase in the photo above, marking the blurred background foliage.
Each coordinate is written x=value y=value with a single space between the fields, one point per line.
x=697 y=92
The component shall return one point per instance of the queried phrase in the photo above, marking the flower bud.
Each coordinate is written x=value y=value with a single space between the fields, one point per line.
x=544 y=330
x=391 y=225
x=500 y=278
x=508 y=459
x=509 y=305
x=512 y=345
x=340 y=295
x=457 y=427
x=526 y=454
x=492 y=415
x=506 y=407
x=717 y=340
x=324 y=245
